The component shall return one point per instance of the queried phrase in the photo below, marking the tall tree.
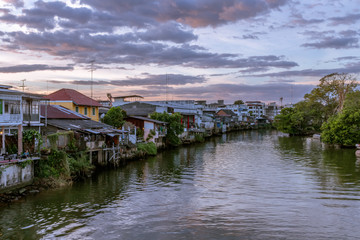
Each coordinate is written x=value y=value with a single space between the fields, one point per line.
x=318 y=106
x=333 y=89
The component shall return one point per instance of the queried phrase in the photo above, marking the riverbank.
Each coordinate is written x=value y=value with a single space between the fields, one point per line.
x=59 y=169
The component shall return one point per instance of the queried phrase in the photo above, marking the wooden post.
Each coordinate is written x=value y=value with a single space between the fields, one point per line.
x=3 y=150
x=20 y=139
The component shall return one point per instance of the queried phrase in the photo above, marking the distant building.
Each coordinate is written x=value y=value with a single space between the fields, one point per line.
x=255 y=108
x=75 y=101
x=271 y=110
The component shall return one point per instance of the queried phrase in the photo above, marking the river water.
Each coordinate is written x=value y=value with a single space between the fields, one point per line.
x=247 y=185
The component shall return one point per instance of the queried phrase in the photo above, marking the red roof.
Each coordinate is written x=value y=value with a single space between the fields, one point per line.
x=59 y=112
x=77 y=98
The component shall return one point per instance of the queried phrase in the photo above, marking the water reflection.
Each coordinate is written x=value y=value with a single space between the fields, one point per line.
x=247 y=185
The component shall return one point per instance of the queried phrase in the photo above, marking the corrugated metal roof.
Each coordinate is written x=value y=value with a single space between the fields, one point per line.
x=84 y=125
x=74 y=96
x=148 y=119
x=60 y=112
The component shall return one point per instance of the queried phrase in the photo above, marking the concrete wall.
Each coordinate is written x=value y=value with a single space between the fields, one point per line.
x=13 y=175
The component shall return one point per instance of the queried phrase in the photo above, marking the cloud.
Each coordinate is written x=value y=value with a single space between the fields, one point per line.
x=32 y=68
x=43 y=15
x=145 y=80
x=345 y=20
x=331 y=39
x=195 y=13
x=170 y=31
x=15 y=3
x=349 y=68
x=262 y=92
x=337 y=43
x=299 y=20
x=122 y=49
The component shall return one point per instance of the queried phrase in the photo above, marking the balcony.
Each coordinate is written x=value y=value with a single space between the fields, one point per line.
x=31 y=118
x=10 y=118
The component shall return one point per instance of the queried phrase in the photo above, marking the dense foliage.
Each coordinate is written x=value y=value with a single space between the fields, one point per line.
x=238 y=102
x=174 y=127
x=30 y=136
x=323 y=103
x=344 y=127
x=115 y=117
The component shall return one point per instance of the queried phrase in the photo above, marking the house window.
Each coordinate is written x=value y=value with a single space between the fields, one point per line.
x=93 y=111
x=77 y=109
x=1 y=106
x=85 y=111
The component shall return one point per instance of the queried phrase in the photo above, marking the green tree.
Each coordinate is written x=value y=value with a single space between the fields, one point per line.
x=115 y=117
x=344 y=127
x=174 y=127
x=332 y=91
x=238 y=102
x=318 y=106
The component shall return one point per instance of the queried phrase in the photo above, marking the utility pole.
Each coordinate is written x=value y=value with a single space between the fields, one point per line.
x=92 y=72
x=23 y=84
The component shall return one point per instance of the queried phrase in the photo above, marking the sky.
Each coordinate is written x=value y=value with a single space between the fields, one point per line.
x=178 y=49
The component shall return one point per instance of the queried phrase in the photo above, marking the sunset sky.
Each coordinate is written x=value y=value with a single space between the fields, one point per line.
x=182 y=49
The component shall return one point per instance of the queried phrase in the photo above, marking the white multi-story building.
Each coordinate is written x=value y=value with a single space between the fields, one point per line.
x=271 y=110
x=256 y=108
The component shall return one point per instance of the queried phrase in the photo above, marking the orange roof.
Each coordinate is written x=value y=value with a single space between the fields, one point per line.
x=77 y=98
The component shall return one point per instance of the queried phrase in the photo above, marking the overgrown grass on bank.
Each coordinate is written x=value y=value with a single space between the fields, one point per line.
x=147 y=148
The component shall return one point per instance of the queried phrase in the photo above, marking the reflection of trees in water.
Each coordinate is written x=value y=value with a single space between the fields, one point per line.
x=343 y=163
x=333 y=167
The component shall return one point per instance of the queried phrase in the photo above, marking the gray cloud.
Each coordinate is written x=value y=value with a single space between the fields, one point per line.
x=349 y=68
x=346 y=20
x=145 y=80
x=337 y=43
x=299 y=20
x=262 y=92
x=121 y=49
x=32 y=68
x=170 y=31
x=331 y=39
x=196 y=13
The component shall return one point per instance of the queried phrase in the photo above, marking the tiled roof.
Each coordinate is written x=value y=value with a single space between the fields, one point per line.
x=59 y=112
x=66 y=94
x=225 y=113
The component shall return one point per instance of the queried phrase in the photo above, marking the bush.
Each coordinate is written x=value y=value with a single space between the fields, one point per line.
x=149 y=148
x=199 y=138
x=79 y=165
x=55 y=165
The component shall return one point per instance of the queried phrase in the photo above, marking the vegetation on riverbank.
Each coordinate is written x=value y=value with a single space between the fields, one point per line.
x=174 y=127
x=148 y=148
x=332 y=109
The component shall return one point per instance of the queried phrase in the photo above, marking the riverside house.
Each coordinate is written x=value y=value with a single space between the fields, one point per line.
x=75 y=101
x=154 y=130
x=18 y=111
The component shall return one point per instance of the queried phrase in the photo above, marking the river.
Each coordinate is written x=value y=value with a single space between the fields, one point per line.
x=245 y=185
